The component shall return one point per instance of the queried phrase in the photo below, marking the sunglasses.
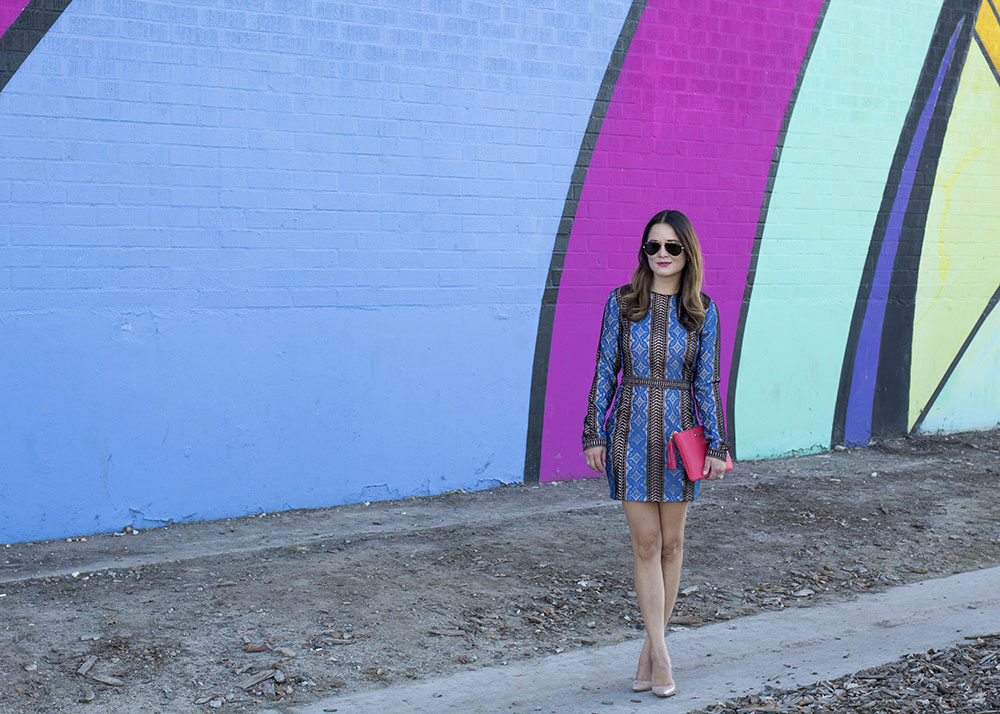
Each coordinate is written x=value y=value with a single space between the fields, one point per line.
x=652 y=247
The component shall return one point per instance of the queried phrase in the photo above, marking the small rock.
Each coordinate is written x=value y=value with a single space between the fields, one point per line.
x=215 y=703
x=87 y=695
x=689 y=590
x=687 y=621
x=279 y=676
x=256 y=679
x=107 y=679
x=804 y=592
x=31 y=667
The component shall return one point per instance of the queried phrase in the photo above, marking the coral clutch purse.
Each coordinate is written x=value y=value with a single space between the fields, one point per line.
x=693 y=447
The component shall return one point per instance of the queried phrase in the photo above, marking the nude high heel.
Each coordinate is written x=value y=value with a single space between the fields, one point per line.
x=665 y=691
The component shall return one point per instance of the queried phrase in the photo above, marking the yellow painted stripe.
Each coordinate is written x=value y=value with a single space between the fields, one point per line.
x=959 y=262
x=988 y=30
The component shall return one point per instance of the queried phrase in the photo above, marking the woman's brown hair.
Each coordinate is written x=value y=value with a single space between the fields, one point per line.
x=690 y=308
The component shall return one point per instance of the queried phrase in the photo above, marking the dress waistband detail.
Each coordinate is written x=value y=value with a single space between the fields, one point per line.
x=657 y=383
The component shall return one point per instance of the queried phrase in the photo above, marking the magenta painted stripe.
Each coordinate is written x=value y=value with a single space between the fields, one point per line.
x=858 y=422
x=692 y=125
x=9 y=10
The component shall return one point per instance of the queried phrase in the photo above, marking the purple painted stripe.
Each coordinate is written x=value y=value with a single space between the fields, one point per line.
x=858 y=421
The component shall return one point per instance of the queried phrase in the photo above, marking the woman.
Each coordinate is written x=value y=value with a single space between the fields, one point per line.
x=662 y=333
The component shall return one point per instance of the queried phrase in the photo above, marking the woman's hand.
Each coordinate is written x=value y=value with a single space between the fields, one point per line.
x=714 y=468
x=596 y=457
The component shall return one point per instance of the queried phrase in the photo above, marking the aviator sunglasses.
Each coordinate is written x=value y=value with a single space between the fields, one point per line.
x=652 y=247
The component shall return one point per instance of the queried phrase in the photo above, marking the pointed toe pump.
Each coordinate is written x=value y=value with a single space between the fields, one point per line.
x=667 y=690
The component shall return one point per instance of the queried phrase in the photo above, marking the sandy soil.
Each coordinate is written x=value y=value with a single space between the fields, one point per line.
x=515 y=575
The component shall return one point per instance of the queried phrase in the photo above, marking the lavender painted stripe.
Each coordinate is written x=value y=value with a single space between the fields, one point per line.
x=858 y=422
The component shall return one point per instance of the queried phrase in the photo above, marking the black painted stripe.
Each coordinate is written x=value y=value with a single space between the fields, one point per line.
x=986 y=56
x=25 y=33
x=958 y=358
x=761 y=221
x=890 y=410
x=919 y=196
x=993 y=7
x=546 y=318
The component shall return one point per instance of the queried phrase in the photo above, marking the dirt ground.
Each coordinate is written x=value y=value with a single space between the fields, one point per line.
x=506 y=580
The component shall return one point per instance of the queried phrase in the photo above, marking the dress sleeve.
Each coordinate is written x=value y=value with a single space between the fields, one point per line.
x=602 y=391
x=706 y=385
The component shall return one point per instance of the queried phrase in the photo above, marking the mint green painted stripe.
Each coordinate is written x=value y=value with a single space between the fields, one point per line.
x=970 y=398
x=827 y=191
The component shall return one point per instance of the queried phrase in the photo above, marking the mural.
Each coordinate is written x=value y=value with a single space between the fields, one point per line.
x=841 y=328
x=257 y=260
x=257 y=257
x=27 y=23
x=690 y=124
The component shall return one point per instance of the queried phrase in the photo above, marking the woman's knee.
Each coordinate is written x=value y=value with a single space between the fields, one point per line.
x=647 y=546
x=671 y=549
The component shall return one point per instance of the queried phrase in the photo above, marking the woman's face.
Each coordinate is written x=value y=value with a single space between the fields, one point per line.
x=662 y=263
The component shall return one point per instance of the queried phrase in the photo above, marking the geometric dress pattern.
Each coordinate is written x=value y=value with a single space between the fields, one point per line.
x=666 y=373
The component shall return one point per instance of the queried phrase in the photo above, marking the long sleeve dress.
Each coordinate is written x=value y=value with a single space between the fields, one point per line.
x=666 y=372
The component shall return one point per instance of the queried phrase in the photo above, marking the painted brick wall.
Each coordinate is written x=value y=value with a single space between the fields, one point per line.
x=269 y=255
x=264 y=255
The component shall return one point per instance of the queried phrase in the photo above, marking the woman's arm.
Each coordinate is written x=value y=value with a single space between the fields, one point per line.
x=605 y=378
x=706 y=385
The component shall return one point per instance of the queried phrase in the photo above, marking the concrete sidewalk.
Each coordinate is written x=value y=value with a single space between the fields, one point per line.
x=784 y=649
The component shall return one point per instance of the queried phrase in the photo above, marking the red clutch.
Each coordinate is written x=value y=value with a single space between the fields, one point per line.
x=693 y=447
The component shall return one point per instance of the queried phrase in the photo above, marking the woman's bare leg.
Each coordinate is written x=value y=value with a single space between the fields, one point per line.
x=673 y=516
x=644 y=670
x=647 y=547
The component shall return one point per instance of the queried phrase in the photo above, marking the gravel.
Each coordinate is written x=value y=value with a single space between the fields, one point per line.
x=958 y=680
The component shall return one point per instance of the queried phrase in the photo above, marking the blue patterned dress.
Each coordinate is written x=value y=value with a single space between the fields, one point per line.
x=666 y=373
